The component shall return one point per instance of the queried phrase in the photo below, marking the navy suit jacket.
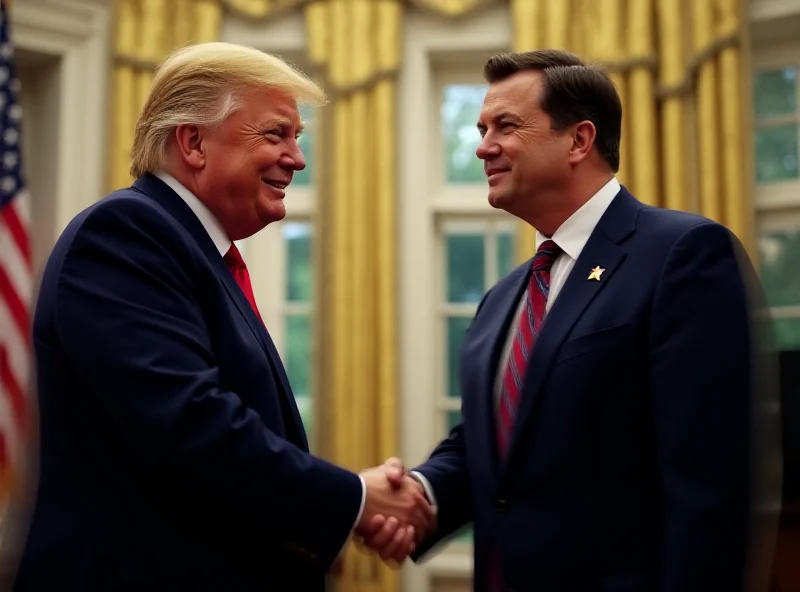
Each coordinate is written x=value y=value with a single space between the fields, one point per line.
x=629 y=465
x=172 y=454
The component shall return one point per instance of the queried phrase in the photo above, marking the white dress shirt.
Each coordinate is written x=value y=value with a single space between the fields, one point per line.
x=207 y=219
x=223 y=243
x=571 y=237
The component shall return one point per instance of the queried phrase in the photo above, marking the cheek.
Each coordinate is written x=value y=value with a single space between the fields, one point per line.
x=267 y=155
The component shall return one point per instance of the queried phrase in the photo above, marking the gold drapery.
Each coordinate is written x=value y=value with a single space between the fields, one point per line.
x=355 y=46
x=675 y=116
x=259 y=9
x=453 y=8
x=146 y=31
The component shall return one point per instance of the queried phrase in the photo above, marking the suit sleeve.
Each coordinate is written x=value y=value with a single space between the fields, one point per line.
x=134 y=331
x=446 y=475
x=446 y=482
x=701 y=372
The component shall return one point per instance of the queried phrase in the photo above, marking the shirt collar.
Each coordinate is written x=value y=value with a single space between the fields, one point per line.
x=207 y=219
x=573 y=234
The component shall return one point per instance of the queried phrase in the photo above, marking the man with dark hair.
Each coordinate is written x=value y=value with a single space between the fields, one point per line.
x=606 y=383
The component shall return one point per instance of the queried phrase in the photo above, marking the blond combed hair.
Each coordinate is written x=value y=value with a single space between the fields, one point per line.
x=202 y=85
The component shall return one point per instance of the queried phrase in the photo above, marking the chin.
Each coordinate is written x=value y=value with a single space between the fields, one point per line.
x=274 y=212
x=497 y=200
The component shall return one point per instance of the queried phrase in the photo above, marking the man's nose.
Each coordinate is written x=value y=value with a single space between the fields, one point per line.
x=293 y=158
x=486 y=149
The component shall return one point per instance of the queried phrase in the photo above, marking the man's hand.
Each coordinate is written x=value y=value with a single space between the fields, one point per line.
x=395 y=535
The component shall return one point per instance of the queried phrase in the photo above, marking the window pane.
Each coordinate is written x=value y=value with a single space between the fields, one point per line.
x=775 y=92
x=465 y=267
x=779 y=253
x=456 y=329
x=465 y=534
x=461 y=107
x=304 y=405
x=299 y=276
x=787 y=333
x=776 y=153
x=453 y=418
x=298 y=353
x=307 y=146
x=505 y=253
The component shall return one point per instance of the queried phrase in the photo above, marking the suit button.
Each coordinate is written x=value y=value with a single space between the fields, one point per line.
x=501 y=505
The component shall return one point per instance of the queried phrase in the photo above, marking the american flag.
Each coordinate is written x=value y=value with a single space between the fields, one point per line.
x=15 y=264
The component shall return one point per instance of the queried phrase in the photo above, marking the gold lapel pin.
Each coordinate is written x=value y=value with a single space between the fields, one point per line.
x=596 y=273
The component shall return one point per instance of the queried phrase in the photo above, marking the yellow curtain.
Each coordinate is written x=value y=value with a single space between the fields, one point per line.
x=355 y=45
x=453 y=8
x=258 y=9
x=146 y=31
x=673 y=62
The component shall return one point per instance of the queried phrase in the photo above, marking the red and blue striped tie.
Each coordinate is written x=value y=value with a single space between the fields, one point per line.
x=528 y=327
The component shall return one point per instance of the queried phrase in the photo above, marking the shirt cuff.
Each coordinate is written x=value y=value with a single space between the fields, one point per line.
x=426 y=486
x=358 y=516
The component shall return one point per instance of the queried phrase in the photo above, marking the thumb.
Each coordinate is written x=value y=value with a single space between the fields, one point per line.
x=395 y=471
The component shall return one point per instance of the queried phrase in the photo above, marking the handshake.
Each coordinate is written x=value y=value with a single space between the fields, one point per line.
x=397 y=514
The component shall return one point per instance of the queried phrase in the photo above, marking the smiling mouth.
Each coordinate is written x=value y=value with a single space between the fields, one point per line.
x=275 y=184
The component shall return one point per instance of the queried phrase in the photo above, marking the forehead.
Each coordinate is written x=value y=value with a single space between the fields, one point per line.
x=271 y=106
x=519 y=93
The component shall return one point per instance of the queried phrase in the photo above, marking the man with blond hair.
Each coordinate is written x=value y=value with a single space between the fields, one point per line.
x=172 y=453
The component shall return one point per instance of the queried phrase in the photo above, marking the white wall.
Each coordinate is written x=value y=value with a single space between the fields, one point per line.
x=63 y=62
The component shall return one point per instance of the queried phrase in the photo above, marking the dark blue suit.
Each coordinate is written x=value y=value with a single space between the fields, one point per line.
x=629 y=467
x=172 y=453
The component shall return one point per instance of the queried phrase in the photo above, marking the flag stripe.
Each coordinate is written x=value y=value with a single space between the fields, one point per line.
x=14 y=392
x=16 y=347
x=16 y=278
x=13 y=261
x=14 y=304
x=17 y=231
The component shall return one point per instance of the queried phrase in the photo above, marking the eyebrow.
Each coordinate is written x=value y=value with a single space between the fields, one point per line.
x=499 y=116
x=284 y=122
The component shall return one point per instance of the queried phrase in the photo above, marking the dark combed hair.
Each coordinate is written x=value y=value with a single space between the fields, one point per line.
x=573 y=92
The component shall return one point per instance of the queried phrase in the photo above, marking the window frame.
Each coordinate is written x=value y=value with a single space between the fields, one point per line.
x=784 y=193
x=434 y=53
x=777 y=203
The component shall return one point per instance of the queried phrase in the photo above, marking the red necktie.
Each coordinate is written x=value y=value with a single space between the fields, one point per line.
x=233 y=259
x=528 y=327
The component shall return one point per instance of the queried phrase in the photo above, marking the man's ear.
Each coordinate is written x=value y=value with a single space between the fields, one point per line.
x=582 y=141
x=190 y=144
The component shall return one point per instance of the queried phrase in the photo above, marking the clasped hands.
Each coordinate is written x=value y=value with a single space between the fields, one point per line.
x=397 y=515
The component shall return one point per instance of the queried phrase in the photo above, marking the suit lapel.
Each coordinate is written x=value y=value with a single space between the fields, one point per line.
x=259 y=330
x=480 y=361
x=571 y=303
x=156 y=189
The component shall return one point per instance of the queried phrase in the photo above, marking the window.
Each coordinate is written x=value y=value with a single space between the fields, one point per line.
x=777 y=177
x=297 y=308
x=776 y=136
x=475 y=254
x=461 y=106
x=453 y=244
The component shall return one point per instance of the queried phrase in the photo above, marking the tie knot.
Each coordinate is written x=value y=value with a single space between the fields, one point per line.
x=545 y=256
x=233 y=258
